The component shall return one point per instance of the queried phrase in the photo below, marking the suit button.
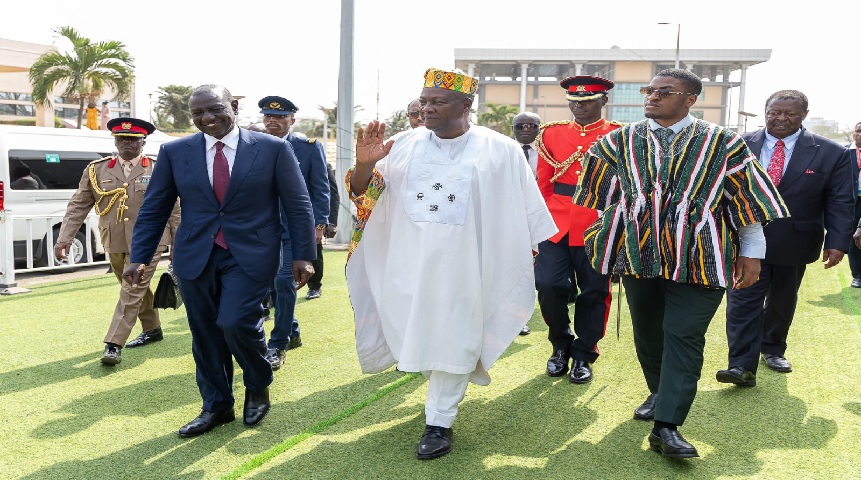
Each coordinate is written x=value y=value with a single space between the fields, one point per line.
x=212 y=236
x=125 y=219
x=221 y=213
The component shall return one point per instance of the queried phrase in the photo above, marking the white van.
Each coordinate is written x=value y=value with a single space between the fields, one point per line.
x=56 y=159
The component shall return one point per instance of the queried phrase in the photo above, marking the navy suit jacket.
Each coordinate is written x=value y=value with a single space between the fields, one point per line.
x=818 y=189
x=265 y=175
x=312 y=164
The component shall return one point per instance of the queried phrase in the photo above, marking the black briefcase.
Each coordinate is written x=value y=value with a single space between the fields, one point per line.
x=167 y=293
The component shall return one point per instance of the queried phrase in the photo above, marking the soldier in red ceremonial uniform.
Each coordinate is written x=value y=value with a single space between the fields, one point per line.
x=563 y=263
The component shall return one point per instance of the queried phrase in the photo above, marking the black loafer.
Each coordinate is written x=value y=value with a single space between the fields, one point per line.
x=525 y=330
x=670 y=443
x=205 y=422
x=295 y=342
x=557 y=365
x=436 y=442
x=856 y=282
x=112 y=355
x=776 y=362
x=144 y=338
x=737 y=376
x=275 y=357
x=581 y=372
x=313 y=293
x=256 y=406
x=646 y=411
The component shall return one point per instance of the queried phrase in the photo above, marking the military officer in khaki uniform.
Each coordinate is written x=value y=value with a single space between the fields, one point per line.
x=115 y=186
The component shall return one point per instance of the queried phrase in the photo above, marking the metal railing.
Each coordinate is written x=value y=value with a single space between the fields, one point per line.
x=8 y=263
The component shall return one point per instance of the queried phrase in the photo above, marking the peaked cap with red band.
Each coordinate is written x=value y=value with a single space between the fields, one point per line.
x=585 y=87
x=130 y=127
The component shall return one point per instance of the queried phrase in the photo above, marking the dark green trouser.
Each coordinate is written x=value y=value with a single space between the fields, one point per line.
x=670 y=321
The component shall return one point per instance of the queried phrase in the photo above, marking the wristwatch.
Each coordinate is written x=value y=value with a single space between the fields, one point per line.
x=321 y=226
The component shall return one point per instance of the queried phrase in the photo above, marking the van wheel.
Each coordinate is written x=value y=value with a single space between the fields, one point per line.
x=77 y=250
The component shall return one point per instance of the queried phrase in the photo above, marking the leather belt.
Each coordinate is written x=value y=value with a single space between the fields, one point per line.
x=564 y=189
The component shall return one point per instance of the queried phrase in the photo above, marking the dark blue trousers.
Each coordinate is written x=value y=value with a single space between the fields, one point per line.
x=225 y=318
x=284 y=299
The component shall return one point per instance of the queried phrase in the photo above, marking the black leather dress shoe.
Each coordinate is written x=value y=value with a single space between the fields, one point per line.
x=856 y=282
x=275 y=357
x=581 y=372
x=256 y=407
x=646 y=411
x=776 y=362
x=670 y=443
x=557 y=365
x=112 y=355
x=144 y=338
x=525 y=330
x=205 y=422
x=313 y=293
x=737 y=376
x=295 y=342
x=436 y=442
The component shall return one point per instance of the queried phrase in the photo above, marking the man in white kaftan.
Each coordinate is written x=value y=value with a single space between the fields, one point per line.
x=441 y=274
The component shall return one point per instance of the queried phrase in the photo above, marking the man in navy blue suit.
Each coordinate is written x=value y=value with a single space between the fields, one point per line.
x=278 y=117
x=815 y=178
x=233 y=185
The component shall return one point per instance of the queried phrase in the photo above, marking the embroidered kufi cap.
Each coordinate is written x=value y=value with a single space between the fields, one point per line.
x=455 y=80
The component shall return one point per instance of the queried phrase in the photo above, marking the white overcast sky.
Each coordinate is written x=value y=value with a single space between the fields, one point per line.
x=291 y=48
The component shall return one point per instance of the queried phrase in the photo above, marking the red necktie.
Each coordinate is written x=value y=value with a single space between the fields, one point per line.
x=775 y=167
x=220 y=179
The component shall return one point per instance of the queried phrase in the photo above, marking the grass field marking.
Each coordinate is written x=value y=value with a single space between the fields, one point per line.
x=282 y=447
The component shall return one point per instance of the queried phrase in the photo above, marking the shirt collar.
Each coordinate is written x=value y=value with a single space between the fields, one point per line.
x=231 y=139
x=788 y=142
x=676 y=127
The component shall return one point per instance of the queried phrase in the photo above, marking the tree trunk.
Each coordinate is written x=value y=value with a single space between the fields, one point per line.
x=80 y=111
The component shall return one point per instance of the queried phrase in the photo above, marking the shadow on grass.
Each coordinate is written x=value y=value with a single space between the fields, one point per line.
x=169 y=456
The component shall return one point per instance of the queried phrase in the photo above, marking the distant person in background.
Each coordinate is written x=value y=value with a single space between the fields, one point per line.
x=105 y=116
x=855 y=160
x=525 y=126
x=278 y=117
x=115 y=186
x=414 y=114
x=817 y=181
x=92 y=116
x=315 y=283
x=22 y=179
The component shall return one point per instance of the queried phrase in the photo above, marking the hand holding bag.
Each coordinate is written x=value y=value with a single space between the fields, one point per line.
x=167 y=294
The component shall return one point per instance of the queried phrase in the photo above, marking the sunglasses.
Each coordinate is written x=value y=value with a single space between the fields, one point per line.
x=662 y=92
x=414 y=114
x=525 y=126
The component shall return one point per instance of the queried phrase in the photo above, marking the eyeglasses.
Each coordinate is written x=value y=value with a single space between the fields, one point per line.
x=414 y=114
x=662 y=92
x=525 y=126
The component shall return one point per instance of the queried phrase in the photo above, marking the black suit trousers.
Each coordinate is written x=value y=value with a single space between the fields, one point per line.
x=670 y=321
x=855 y=252
x=758 y=317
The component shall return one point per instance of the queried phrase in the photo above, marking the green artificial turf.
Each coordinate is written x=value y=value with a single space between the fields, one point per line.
x=63 y=415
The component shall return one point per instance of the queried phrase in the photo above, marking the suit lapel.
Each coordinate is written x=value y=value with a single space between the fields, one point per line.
x=196 y=158
x=246 y=155
x=802 y=156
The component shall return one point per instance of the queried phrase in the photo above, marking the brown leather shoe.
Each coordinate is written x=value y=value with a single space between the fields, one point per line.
x=435 y=443
x=205 y=422
x=776 y=362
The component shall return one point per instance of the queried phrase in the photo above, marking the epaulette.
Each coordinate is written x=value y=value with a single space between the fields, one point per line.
x=312 y=140
x=613 y=122
x=103 y=159
x=301 y=136
x=560 y=122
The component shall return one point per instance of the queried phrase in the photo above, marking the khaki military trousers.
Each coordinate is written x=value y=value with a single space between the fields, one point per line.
x=134 y=302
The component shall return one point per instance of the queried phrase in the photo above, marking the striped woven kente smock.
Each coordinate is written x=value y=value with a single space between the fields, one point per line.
x=674 y=213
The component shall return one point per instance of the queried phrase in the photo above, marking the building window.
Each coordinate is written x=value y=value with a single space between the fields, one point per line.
x=23 y=97
x=627 y=94
x=66 y=112
x=17 y=110
x=625 y=114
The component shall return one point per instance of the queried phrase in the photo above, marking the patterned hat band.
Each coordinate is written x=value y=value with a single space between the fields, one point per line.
x=578 y=98
x=455 y=80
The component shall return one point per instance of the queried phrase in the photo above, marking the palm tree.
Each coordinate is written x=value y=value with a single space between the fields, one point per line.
x=171 y=110
x=86 y=71
x=498 y=117
x=397 y=123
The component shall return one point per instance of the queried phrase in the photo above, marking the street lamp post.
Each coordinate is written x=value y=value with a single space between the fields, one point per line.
x=678 y=36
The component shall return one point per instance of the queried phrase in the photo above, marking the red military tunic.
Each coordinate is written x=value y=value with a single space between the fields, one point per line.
x=561 y=146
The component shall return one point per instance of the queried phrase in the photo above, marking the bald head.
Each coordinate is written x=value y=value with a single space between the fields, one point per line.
x=525 y=125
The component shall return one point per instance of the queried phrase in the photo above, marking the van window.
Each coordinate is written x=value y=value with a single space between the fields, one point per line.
x=46 y=171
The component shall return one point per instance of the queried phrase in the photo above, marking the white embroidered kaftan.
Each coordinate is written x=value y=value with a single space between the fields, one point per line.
x=442 y=278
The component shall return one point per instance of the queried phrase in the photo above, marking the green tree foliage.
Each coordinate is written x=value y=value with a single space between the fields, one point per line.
x=85 y=72
x=314 y=128
x=498 y=117
x=397 y=123
x=171 y=110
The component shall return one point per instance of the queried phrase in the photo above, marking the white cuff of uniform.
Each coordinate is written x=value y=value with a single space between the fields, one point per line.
x=752 y=240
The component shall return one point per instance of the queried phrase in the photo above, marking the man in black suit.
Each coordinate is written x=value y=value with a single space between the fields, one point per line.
x=855 y=160
x=233 y=184
x=815 y=178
